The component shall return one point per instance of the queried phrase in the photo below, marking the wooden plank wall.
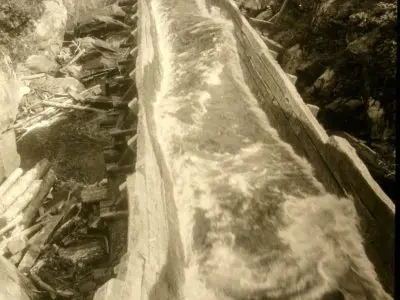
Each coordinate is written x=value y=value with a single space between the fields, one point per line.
x=155 y=255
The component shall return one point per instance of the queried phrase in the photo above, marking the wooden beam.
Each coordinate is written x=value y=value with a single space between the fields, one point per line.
x=272 y=44
x=261 y=24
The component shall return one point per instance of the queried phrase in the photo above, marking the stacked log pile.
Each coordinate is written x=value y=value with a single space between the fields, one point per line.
x=63 y=244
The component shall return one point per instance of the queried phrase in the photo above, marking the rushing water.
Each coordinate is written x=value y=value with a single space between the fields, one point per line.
x=254 y=220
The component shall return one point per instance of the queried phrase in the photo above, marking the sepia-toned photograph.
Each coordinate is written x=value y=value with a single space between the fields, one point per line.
x=198 y=149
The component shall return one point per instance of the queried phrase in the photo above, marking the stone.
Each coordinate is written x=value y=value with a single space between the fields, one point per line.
x=9 y=157
x=87 y=287
x=344 y=113
x=58 y=85
x=364 y=44
x=41 y=64
x=66 y=83
x=94 y=194
x=325 y=80
x=292 y=59
x=341 y=105
x=17 y=244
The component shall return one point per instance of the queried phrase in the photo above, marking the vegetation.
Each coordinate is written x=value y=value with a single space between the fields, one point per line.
x=344 y=55
x=16 y=18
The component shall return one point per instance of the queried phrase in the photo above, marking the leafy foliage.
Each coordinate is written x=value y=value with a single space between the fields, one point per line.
x=382 y=15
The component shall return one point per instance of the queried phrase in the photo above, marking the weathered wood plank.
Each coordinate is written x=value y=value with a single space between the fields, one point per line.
x=94 y=194
x=272 y=44
x=23 y=183
x=10 y=180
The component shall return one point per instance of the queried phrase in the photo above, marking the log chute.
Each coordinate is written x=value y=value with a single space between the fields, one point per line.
x=235 y=180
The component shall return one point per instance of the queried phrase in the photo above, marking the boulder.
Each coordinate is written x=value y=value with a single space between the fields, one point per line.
x=328 y=12
x=344 y=114
x=364 y=44
x=41 y=64
x=57 y=85
x=325 y=81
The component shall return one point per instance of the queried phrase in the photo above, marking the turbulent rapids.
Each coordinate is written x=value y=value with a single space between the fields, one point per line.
x=254 y=221
x=215 y=181
x=237 y=192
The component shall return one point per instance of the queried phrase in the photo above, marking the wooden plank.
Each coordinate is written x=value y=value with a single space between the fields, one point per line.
x=116 y=169
x=134 y=52
x=22 y=201
x=130 y=93
x=33 y=207
x=122 y=132
x=114 y=215
x=9 y=197
x=37 y=242
x=94 y=194
x=261 y=24
x=134 y=106
x=272 y=45
x=83 y=254
x=10 y=180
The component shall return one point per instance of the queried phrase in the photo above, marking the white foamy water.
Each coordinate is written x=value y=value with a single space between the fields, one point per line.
x=254 y=221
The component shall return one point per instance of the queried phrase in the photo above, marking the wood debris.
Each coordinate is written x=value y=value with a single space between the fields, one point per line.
x=64 y=243
x=69 y=242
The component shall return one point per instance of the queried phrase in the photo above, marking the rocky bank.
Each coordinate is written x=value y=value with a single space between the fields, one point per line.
x=344 y=55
